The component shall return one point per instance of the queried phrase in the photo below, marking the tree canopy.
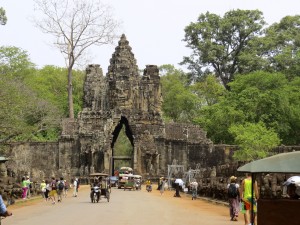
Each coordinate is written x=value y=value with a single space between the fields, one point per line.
x=217 y=43
x=255 y=141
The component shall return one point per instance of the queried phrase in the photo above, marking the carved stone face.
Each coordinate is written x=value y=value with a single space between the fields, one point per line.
x=3 y=170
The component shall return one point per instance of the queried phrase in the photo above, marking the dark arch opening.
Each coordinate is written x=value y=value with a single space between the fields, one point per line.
x=118 y=160
x=128 y=132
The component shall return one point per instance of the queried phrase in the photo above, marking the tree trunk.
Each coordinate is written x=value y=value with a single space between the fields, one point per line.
x=70 y=94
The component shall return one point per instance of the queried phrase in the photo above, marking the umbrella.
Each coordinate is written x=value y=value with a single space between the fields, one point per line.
x=179 y=181
x=293 y=180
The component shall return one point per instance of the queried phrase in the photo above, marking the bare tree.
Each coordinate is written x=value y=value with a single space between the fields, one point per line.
x=76 y=25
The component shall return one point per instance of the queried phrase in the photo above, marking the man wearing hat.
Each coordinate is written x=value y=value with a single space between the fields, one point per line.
x=233 y=198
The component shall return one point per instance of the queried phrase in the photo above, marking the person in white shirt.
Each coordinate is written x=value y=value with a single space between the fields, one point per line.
x=75 y=187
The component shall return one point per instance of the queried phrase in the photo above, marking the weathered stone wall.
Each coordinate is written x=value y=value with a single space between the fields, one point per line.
x=35 y=159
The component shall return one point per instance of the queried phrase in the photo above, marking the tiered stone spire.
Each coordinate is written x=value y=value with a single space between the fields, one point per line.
x=122 y=62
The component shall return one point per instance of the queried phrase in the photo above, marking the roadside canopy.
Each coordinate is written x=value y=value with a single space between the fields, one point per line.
x=280 y=163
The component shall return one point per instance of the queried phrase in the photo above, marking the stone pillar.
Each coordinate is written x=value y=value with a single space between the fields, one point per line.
x=136 y=166
x=106 y=161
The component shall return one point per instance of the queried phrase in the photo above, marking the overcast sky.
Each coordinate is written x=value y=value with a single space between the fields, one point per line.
x=154 y=29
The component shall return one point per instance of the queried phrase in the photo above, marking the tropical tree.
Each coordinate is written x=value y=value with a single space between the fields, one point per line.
x=50 y=83
x=14 y=62
x=257 y=97
x=255 y=141
x=3 y=18
x=218 y=43
x=281 y=46
x=180 y=102
x=76 y=25
x=25 y=114
x=208 y=90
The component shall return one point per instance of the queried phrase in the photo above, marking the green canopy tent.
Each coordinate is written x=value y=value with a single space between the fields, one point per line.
x=280 y=163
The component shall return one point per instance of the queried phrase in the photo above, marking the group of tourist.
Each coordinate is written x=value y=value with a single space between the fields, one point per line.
x=242 y=198
x=57 y=189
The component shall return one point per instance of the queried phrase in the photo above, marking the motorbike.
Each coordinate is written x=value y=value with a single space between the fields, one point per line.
x=149 y=187
x=95 y=194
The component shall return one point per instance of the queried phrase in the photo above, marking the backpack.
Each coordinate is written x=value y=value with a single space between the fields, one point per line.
x=53 y=185
x=232 y=191
x=61 y=186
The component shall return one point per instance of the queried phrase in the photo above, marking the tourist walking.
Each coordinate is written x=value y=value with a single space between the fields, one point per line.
x=248 y=200
x=60 y=189
x=29 y=186
x=233 y=190
x=162 y=186
x=24 y=187
x=43 y=189
x=48 y=189
x=194 y=189
x=66 y=189
x=53 y=190
x=75 y=187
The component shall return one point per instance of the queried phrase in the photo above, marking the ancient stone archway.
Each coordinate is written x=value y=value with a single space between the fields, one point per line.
x=126 y=97
x=125 y=157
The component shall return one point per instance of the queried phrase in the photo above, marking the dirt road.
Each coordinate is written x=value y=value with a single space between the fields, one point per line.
x=125 y=208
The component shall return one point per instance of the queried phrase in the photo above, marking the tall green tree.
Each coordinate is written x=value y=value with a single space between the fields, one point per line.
x=218 y=42
x=76 y=25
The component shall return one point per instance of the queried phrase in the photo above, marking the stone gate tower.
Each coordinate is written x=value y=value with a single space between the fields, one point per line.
x=124 y=98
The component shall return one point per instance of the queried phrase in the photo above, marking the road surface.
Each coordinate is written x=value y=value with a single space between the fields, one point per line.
x=125 y=208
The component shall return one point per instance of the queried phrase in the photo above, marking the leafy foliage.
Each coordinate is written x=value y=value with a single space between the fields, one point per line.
x=281 y=46
x=14 y=62
x=179 y=102
x=51 y=83
x=122 y=147
x=217 y=43
x=254 y=141
x=33 y=101
x=257 y=97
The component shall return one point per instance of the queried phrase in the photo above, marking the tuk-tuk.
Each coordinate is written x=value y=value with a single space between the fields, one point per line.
x=101 y=180
x=138 y=182
x=129 y=182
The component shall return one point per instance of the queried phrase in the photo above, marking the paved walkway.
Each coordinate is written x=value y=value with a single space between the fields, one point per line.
x=125 y=208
